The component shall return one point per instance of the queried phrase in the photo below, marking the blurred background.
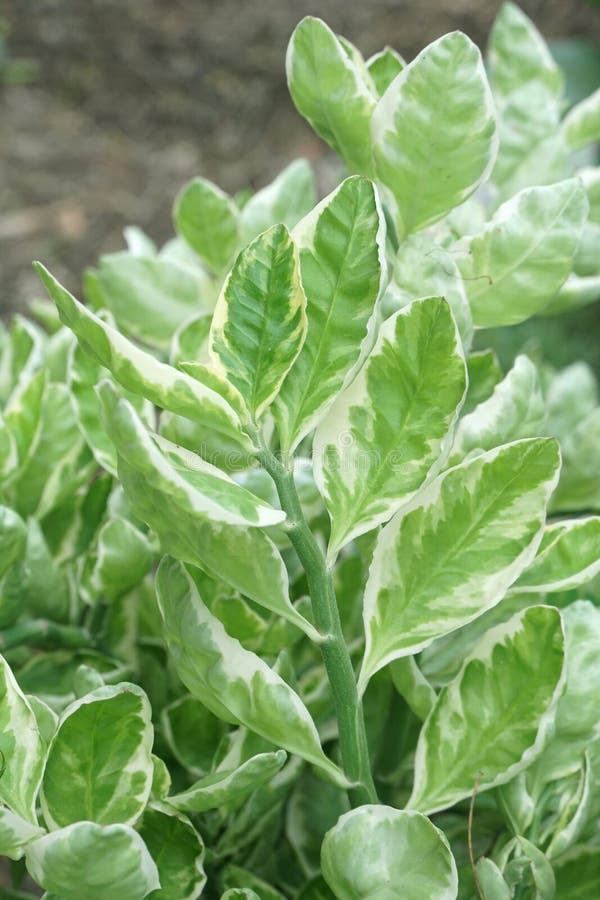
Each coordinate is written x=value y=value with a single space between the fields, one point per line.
x=109 y=106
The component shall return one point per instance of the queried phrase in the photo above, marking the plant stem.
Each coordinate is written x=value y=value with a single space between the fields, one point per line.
x=348 y=706
x=43 y=633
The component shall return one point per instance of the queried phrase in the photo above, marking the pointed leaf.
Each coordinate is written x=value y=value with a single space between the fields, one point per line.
x=177 y=850
x=377 y=851
x=442 y=102
x=453 y=551
x=568 y=557
x=496 y=715
x=387 y=430
x=208 y=220
x=518 y=54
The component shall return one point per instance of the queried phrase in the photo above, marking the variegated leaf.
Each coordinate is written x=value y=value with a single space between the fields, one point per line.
x=581 y=125
x=568 y=557
x=286 y=200
x=383 y=68
x=178 y=851
x=208 y=221
x=518 y=54
x=15 y=834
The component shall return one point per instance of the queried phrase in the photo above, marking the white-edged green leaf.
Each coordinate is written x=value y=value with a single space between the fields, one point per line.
x=342 y=266
x=86 y=861
x=518 y=54
x=378 y=851
x=455 y=549
x=386 y=431
x=229 y=788
x=259 y=323
x=192 y=733
x=515 y=410
x=575 y=293
x=568 y=557
x=208 y=220
x=123 y=556
x=23 y=417
x=22 y=749
x=140 y=372
x=13 y=538
x=434 y=132
x=177 y=850
x=515 y=266
x=496 y=715
x=411 y=684
x=99 y=766
x=581 y=125
x=328 y=88
x=138 y=242
x=574 y=814
x=21 y=356
x=286 y=200
x=383 y=68
x=16 y=833
x=190 y=341
x=234 y=683
x=484 y=373
x=579 y=485
x=492 y=883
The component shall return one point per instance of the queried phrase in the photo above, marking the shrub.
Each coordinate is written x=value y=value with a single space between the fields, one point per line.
x=298 y=598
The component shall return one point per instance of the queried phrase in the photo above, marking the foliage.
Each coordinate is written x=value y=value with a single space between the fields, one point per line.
x=298 y=590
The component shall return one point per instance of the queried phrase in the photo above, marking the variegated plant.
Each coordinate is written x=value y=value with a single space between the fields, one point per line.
x=298 y=589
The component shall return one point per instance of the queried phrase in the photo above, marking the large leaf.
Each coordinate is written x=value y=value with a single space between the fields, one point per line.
x=259 y=324
x=329 y=89
x=455 y=549
x=86 y=861
x=434 y=132
x=286 y=200
x=208 y=220
x=384 y=433
x=518 y=54
x=496 y=715
x=234 y=683
x=99 y=767
x=177 y=850
x=568 y=557
x=341 y=263
x=513 y=268
x=139 y=371
x=21 y=746
x=378 y=851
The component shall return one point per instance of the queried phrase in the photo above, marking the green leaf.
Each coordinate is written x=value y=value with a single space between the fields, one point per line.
x=518 y=54
x=140 y=372
x=578 y=875
x=530 y=866
x=312 y=809
x=229 y=788
x=496 y=715
x=377 y=851
x=513 y=268
x=235 y=684
x=484 y=373
x=23 y=419
x=99 y=766
x=208 y=220
x=515 y=410
x=568 y=557
x=579 y=487
x=15 y=834
x=328 y=89
x=36 y=583
x=581 y=125
x=342 y=266
x=13 y=538
x=442 y=102
x=490 y=878
x=92 y=862
x=21 y=746
x=383 y=68
x=190 y=341
x=260 y=322
x=574 y=814
x=385 y=432
x=286 y=200
x=455 y=549
x=411 y=684
x=123 y=557
x=177 y=850
x=21 y=357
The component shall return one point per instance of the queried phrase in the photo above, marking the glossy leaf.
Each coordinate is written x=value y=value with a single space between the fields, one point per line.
x=568 y=557
x=380 y=851
x=177 y=850
x=341 y=266
x=513 y=268
x=208 y=220
x=455 y=549
x=388 y=429
x=514 y=676
x=441 y=101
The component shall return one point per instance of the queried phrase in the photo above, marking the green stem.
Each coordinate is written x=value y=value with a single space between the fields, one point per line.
x=43 y=633
x=348 y=705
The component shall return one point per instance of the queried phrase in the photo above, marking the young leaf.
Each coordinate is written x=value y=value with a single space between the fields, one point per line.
x=518 y=54
x=496 y=715
x=99 y=765
x=235 y=684
x=387 y=430
x=581 y=125
x=86 y=861
x=140 y=372
x=123 y=557
x=329 y=90
x=568 y=557
x=513 y=268
x=15 y=834
x=259 y=324
x=490 y=878
x=434 y=132
x=455 y=549
x=377 y=851
x=177 y=850
x=229 y=788
x=383 y=68
x=287 y=199
x=411 y=684
x=208 y=220
x=341 y=263
x=22 y=749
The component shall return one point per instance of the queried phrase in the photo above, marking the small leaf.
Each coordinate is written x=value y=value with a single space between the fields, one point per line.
x=383 y=68
x=193 y=734
x=15 y=834
x=568 y=557
x=496 y=715
x=490 y=878
x=581 y=125
x=177 y=850
x=208 y=220
x=86 y=861
x=259 y=323
x=455 y=549
x=380 y=851
x=411 y=684
x=286 y=200
x=434 y=132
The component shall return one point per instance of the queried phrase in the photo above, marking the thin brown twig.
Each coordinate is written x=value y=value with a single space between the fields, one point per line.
x=470 y=837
